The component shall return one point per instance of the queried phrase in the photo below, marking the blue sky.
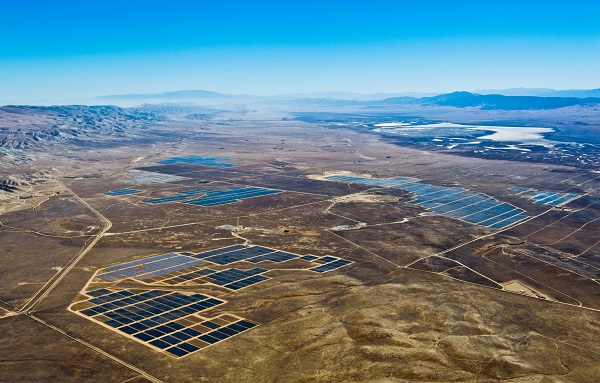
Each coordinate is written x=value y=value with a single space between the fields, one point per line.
x=68 y=50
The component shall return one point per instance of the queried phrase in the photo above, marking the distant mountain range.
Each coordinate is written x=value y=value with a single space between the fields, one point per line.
x=351 y=96
x=542 y=92
x=494 y=101
x=482 y=100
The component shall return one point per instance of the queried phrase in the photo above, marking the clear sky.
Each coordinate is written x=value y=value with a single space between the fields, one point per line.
x=66 y=50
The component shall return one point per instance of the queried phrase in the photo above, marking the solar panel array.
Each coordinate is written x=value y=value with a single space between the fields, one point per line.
x=119 y=192
x=202 y=197
x=150 y=267
x=174 y=322
x=387 y=183
x=180 y=268
x=454 y=202
x=332 y=265
x=255 y=254
x=142 y=177
x=548 y=197
x=200 y=160
x=168 y=321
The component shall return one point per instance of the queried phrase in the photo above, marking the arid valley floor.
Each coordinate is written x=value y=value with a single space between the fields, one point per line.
x=414 y=277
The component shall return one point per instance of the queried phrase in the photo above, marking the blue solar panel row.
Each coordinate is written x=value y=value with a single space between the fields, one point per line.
x=222 y=197
x=374 y=181
x=277 y=256
x=227 y=276
x=200 y=160
x=98 y=292
x=221 y=250
x=140 y=261
x=119 y=192
x=233 y=279
x=155 y=318
x=255 y=254
x=246 y=282
x=239 y=255
x=227 y=331
x=330 y=266
x=214 y=197
x=150 y=267
x=474 y=208
x=547 y=198
x=452 y=202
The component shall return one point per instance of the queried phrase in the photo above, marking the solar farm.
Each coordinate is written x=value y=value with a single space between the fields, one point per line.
x=546 y=197
x=202 y=197
x=207 y=198
x=142 y=177
x=200 y=160
x=169 y=321
x=176 y=322
x=454 y=202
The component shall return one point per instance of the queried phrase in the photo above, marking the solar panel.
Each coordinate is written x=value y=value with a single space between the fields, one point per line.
x=161 y=329
x=219 y=251
x=200 y=160
x=150 y=267
x=452 y=202
x=330 y=266
x=119 y=192
x=546 y=197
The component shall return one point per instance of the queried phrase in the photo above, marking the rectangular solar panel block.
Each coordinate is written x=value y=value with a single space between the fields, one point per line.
x=456 y=204
x=501 y=217
x=481 y=214
x=258 y=278
x=490 y=213
x=98 y=292
x=561 y=200
x=160 y=344
x=88 y=312
x=237 y=327
x=210 y=324
x=188 y=347
x=228 y=331
x=165 y=329
x=138 y=326
x=149 y=323
x=208 y=339
x=143 y=336
x=542 y=196
x=235 y=286
x=328 y=258
x=508 y=222
x=214 y=301
x=170 y=339
x=181 y=336
x=218 y=335
x=178 y=352
x=219 y=251
x=465 y=211
x=190 y=332
x=176 y=326
x=100 y=309
x=128 y=330
x=113 y=323
x=246 y=324
x=161 y=319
